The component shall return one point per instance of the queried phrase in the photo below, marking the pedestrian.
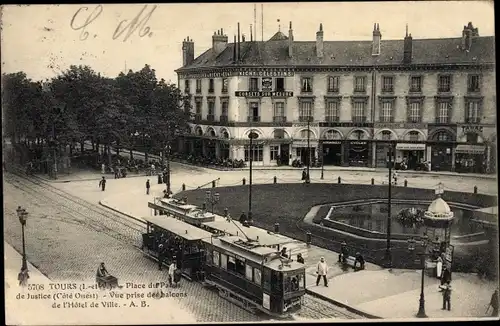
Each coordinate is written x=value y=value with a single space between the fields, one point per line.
x=446 y=296
x=243 y=217
x=445 y=275
x=360 y=260
x=147 y=187
x=102 y=183
x=494 y=303
x=344 y=252
x=283 y=253
x=322 y=271
x=161 y=255
x=304 y=175
x=395 y=177
x=171 y=271
x=300 y=259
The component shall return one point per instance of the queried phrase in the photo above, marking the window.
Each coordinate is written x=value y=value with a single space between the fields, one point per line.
x=304 y=133
x=306 y=83
x=211 y=85
x=198 y=85
x=473 y=83
x=224 y=85
x=333 y=84
x=471 y=137
x=279 y=112
x=442 y=136
x=332 y=111
x=279 y=134
x=231 y=263
x=266 y=284
x=240 y=266
x=254 y=84
x=443 y=112
x=305 y=111
x=472 y=112
x=256 y=151
x=198 y=107
x=223 y=261
x=386 y=135
x=225 y=134
x=444 y=83
x=359 y=84
x=414 y=112
x=280 y=84
x=416 y=84
x=358 y=114
x=358 y=134
x=274 y=149
x=387 y=84
x=332 y=134
x=249 y=272
x=211 y=107
x=257 y=276
x=253 y=115
x=413 y=136
x=186 y=86
x=386 y=111
x=216 y=259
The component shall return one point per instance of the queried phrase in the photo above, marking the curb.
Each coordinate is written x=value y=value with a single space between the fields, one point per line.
x=77 y=180
x=343 y=305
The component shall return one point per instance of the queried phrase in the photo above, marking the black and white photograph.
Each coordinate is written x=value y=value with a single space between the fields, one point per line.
x=194 y=163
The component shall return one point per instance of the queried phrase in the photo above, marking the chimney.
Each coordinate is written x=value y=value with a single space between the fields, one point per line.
x=238 y=50
x=251 y=35
x=187 y=51
x=219 y=41
x=407 y=47
x=235 y=55
x=468 y=34
x=319 y=41
x=242 y=37
x=290 y=41
x=377 y=36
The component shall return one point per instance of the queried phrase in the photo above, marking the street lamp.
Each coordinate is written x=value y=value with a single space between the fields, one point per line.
x=411 y=247
x=167 y=155
x=388 y=256
x=23 y=216
x=308 y=179
x=252 y=135
x=212 y=199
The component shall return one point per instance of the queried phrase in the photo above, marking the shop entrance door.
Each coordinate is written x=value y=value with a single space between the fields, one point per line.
x=332 y=154
x=284 y=154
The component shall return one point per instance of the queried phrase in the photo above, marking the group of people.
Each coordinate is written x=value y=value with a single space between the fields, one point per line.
x=170 y=249
x=358 y=258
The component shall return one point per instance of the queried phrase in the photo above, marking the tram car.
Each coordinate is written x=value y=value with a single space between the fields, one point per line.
x=248 y=272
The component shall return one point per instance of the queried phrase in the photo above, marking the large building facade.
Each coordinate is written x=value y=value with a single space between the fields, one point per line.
x=431 y=99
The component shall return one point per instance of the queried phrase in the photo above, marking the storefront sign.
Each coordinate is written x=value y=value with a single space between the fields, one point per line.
x=358 y=143
x=266 y=73
x=410 y=147
x=304 y=124
x=262 y=94
x=469 y=149
x=330 y=142
x=395 y=125
x=472 y=128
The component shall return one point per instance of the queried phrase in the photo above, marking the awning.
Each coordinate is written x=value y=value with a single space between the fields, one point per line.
x=410 y=147
x=469 y=149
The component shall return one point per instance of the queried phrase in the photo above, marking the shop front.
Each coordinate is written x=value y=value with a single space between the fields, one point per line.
x=442 y=141
x=470 y=158
x=410 y=156
x=302 y=153
x=332 y=152
x=358 y=153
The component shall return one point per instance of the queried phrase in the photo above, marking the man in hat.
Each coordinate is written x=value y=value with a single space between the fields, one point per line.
x=102 y=183
x=161 y=255
x=147 y=187
x=446 y=296
x=322 y=271
x=494 y=303
x=243 y=217
x=344 y=252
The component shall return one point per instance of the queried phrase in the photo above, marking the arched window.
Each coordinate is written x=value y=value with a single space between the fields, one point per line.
x=413 y=135
x=225 y=134
x=386 y=135
x=332 y=134
x=442 y=136
x=199 y=131
x=304 y=133
x=358 y=134
x=211 y=132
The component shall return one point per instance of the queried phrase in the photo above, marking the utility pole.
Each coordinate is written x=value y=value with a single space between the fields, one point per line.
x=388 y=255
x=308 y=179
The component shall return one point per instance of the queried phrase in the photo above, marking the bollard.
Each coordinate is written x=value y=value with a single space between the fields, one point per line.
x=276 y=227
x=406 y=183
x=373 y=181
x=275 y=179
x=183 y=187
x=213 y=184
x=308 y=237
x=244 y=181
x=475 y=189
x=339 y=179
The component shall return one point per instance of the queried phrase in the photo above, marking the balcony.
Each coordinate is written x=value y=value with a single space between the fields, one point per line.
x=210 y=90
x=279 y=119
x=198 y=91
x=305 y=118
x=442 y=120
x=360 y=89
x=416 y=89
x=387 y=119
x=332 y=90
x=223 y=118
x=332 y=118
x=197 y=117
x=414 y=120
x=473 y=90
x=444 y=89
x=388 y=89
x=186 y=90
x=210 y=118
x=473 y=120
x=358 y=119
x=253 y=118
x=224 y=90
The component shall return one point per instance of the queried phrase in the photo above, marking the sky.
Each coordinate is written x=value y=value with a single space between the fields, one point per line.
x=44 y=40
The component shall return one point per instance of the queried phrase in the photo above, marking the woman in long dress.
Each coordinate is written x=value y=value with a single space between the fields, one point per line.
x=439 y=267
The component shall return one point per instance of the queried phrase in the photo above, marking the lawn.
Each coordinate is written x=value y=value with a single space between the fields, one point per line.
x=287 y=204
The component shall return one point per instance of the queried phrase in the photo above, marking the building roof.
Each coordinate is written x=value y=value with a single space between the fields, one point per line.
x=350 y=53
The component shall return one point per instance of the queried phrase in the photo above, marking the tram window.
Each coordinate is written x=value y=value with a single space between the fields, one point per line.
x=267 y=279
x=209 y=257
x=240 y=267
x=248 y=272
x=231 y=264
x=223 y=261
x=257 y=276
x=302 y=281
x=216 y=258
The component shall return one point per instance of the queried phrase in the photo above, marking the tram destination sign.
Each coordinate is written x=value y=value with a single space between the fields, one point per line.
x=262 y=94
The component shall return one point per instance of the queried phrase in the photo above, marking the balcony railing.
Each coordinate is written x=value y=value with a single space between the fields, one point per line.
x=444 y=89
x=415 y=89
x=358 y=119
x=388 y=89
x=305 y=118
x=223 y=118
x=386 y=119
x=473 y=89
x=473 y=120
x=224 y=90
x=414 y=120
x=279 y=119
x=210 y=117
x=332 y=90
x=186 y=90
x=360 y=89
x=332 y=118
x=253 y=118
x=198 y=90
x=197 y=117
x=210 y=90
x=442 y=120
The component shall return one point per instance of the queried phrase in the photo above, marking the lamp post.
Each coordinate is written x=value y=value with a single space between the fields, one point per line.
x=322 y=160
x=23 y=216
x=212 y=199
x=308 y=179
x=252 y=135
x=411 y=247
x=167 y=156
x=388 y=256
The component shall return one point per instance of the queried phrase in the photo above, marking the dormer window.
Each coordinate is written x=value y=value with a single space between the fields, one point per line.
x=186 y=86
x=211 y=85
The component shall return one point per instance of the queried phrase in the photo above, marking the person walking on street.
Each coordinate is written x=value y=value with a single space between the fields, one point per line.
x=360 y=260
x=344 y=252
x=171 y=271
x=494 y=304
x=147 y=187
x=322 y=271
x=445 y=275
x=102 y=183
x=447 y=296
x=161 y=255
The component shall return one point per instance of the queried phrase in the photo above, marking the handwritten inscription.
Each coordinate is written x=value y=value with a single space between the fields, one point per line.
x=83 y=18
